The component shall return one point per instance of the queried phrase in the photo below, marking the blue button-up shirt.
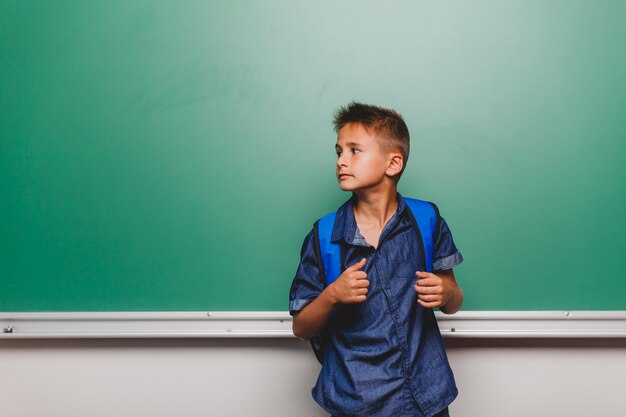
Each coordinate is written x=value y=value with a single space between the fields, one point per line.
x=385 y=356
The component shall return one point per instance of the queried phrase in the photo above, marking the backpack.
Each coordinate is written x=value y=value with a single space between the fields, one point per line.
x=425 y=216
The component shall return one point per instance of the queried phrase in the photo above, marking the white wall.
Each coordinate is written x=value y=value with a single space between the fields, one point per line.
x=556 y=378
x=273 y=377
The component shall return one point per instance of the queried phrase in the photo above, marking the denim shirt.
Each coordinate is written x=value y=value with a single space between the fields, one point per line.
x=385 y=356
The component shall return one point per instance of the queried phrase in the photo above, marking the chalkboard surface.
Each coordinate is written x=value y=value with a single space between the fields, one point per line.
x=172 y=155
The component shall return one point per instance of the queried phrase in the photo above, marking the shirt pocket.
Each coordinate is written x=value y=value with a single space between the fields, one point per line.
x=404 y=271
x=403 y=279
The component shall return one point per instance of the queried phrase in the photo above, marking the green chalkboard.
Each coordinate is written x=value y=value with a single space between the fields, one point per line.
x=172 y=155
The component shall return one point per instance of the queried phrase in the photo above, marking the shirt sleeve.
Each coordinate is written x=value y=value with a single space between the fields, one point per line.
x=446 y=254
x=307 y=284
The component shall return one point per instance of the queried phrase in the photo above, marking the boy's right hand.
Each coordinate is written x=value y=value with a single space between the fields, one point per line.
x=351 y=286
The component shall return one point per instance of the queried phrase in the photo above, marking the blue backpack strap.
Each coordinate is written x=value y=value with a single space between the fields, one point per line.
x=330 y=252
x=426 y=216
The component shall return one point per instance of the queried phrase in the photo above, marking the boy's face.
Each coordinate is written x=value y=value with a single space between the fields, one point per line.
x=361 y=162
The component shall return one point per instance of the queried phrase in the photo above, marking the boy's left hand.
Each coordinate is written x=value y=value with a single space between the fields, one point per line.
x=439 y=290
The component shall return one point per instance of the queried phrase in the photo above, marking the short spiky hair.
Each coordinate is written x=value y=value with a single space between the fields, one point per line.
x=386 y=124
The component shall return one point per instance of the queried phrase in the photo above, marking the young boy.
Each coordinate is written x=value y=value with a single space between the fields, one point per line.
x=384 y=354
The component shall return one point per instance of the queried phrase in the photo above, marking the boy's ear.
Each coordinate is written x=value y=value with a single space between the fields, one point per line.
x=395 y=164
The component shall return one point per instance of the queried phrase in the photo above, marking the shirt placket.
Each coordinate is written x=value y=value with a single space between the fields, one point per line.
x=393 y=303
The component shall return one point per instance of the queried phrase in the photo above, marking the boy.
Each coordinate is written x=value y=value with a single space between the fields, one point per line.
x=384 y=354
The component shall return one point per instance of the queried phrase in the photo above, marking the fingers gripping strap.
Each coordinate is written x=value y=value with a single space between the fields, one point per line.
x=330 y=251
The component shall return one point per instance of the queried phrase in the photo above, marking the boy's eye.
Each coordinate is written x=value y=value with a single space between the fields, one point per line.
x=355 y=150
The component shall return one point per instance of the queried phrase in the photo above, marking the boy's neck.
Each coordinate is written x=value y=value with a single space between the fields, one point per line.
x=375 y=207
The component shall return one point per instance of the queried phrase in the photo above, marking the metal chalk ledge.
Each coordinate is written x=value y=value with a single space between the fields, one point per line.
x=465 y=324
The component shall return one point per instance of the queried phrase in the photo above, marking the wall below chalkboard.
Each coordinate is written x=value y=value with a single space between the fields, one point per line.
x=273 y=377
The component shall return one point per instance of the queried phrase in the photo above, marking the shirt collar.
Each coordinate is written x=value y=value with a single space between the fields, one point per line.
x=345 y=224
